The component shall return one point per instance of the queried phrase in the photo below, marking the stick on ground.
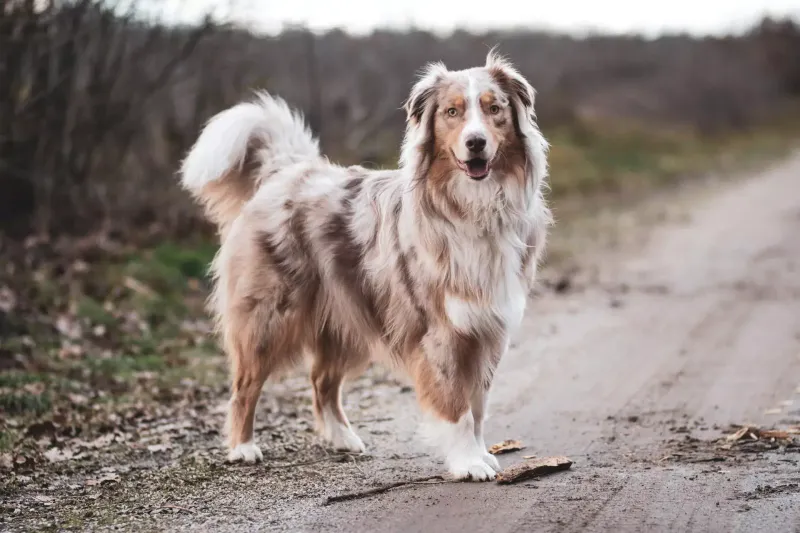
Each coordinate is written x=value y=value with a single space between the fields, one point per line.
x=380 y=490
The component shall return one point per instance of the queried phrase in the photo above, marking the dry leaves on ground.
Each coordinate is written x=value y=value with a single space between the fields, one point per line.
x=507 y=446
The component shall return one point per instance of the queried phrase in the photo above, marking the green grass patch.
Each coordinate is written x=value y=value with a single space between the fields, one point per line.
x=6 y=441
x=24 y=403
x=14 y=380
x=94 y=312
x=167 y=268
x=587 y=159
x=125 y=365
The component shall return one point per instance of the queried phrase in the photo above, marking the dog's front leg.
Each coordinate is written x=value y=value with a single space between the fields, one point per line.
x=447 y=375
x=480 y=401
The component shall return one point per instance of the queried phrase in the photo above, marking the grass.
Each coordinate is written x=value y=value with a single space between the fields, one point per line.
x=589 y=159
x=168 y=268
x=24 y=403
x=14 y=379
x=6 y=441
x=115 y=328
x=125 y=366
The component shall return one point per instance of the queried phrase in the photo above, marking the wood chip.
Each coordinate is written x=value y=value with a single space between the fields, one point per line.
x=755 y=433
x=506 y=446
x=774 y=434
x=738 y=435
x=533 y=468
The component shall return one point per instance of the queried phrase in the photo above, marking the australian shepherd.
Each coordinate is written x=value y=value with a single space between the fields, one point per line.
x=426 y=268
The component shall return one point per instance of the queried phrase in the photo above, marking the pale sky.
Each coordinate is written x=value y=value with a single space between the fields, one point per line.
x=576 y=16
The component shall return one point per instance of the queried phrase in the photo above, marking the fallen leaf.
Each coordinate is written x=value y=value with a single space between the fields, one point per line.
x=78 y=399
x=69 y=327
x=7 y=300
x=80 y=266
x=529 y=457
x=6 y=461
x=55 y=455
x=42 y=498
x=34 y=388
x=70 y=350
x=533 y=468
x=506 y=446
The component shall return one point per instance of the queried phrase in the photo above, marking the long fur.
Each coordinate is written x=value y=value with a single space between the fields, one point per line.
x=422 y=267
x=237 y=148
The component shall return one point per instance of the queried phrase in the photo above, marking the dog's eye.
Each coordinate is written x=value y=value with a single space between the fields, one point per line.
x=494 y=109
x=452 y=112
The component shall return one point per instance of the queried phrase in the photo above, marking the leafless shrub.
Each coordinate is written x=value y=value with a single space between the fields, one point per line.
x=77 y=76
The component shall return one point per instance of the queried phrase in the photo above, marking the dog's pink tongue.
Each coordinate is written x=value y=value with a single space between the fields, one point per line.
x=476 y=169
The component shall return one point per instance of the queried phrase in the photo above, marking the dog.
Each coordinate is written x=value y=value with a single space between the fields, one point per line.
x=425 y=268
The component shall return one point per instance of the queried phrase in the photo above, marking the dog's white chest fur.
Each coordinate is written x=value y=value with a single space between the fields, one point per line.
x=507 y=304
x=493 y=270
x=466 y=315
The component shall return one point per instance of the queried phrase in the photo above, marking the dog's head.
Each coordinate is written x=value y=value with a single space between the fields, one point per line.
x=470 y=132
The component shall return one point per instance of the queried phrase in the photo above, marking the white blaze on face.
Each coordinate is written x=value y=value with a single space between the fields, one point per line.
x=475 y=125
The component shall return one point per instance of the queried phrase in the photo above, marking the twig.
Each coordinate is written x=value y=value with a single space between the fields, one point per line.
x=714 y=459
x=383 y=488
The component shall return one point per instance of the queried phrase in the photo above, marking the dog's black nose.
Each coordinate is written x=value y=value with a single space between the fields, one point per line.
x=476 y=143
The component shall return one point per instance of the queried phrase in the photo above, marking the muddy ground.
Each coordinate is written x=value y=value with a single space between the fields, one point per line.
x=675 y=322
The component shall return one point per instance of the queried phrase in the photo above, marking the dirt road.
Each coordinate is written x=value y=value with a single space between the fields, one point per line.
x=652 y=353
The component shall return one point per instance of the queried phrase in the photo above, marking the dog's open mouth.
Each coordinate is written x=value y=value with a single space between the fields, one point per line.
x=476 y=168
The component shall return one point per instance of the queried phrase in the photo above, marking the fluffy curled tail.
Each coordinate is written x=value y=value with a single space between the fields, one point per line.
x=238 y=148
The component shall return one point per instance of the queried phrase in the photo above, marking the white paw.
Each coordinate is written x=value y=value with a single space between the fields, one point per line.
x=246 y=452
x=343 y=438
x=492 y=461
x=472 y=467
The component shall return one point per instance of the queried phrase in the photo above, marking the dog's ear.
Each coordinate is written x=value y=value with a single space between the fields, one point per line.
x=512 y=83
x=423 y=92
x=522 y=97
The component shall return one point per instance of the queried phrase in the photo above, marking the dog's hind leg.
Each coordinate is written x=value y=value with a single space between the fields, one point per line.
x=332 y=362
x=255 y=352
x=248 y=380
